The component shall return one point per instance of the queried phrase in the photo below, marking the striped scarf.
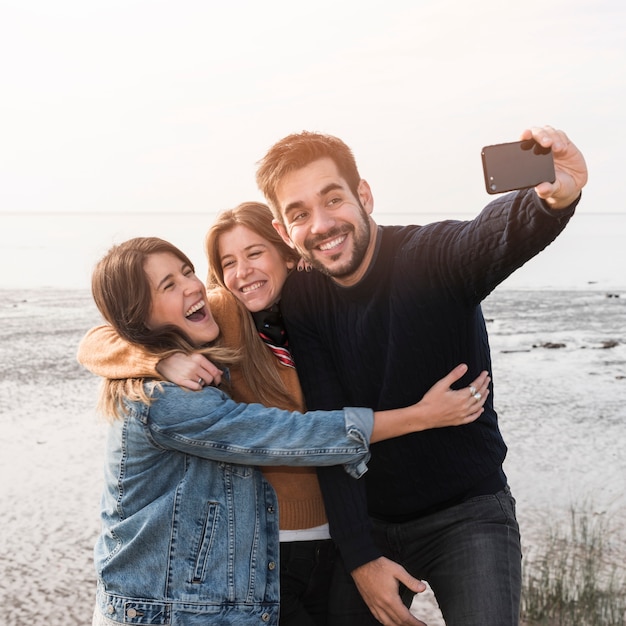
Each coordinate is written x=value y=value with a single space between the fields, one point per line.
x=271 y=329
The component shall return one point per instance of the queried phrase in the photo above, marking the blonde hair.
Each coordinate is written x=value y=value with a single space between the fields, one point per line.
x=258 y=364
x=122 y=293
x=295 y=152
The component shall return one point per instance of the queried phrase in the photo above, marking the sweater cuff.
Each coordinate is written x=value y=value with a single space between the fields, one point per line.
x=358 y=550
x=564 y=213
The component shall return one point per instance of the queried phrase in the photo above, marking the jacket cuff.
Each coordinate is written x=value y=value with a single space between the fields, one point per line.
x=359 y=425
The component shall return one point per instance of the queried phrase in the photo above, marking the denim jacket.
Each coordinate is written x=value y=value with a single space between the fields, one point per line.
x=189 y=525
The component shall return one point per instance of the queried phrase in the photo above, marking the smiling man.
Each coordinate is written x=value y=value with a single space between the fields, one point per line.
x=391 y=310
x=328 y=223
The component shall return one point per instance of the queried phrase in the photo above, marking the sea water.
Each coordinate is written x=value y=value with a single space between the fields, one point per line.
x=59 y=250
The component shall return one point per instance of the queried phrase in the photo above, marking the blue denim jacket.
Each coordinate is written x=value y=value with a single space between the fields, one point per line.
x=189 y=525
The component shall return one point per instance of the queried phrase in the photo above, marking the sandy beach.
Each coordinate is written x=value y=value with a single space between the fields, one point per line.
x=560 y=375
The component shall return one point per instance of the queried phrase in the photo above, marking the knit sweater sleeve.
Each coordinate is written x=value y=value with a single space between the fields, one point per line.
x=344 y=497
x=104 y=353
x=348 y=519
x=473 y=257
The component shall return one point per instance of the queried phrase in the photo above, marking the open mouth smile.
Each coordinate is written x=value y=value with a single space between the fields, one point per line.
x=252 y=287
x=196 y=312
x=334 y=243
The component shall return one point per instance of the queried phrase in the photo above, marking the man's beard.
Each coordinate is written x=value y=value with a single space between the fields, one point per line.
x=361 y=242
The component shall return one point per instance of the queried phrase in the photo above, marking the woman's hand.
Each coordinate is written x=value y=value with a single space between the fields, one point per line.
x=441 y=406
x=192 y=371
x=444 y=406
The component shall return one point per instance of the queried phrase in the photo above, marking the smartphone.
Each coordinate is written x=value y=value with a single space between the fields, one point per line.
x=516 y=165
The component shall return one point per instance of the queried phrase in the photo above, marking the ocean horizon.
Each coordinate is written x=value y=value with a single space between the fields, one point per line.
x=59 y=249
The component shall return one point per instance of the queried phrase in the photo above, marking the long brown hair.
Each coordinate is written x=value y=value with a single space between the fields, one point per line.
x=258 y=364
x=122 y=293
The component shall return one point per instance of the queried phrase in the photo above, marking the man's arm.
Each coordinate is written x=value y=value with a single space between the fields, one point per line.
x=474 y=257
x=346 y=509
x=376 y=577
x=345 y=500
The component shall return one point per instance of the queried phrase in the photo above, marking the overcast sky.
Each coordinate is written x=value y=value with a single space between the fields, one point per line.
x=148 y=105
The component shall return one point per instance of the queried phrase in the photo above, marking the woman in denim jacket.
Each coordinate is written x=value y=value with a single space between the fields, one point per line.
x=190 y=526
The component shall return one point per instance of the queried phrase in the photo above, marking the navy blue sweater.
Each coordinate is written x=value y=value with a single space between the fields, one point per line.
x=385 y=341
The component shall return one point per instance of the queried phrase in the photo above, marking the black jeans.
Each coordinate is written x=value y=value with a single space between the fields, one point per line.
x=469 y=553
x=306 y=569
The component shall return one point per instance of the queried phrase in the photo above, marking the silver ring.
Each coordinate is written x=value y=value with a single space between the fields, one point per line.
x=477 y=396
x=473 y=390
x=200 y=382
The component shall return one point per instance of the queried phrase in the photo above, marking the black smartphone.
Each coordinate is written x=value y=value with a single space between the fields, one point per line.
x=516 y=165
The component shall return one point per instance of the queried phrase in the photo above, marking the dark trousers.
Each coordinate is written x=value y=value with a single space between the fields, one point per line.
x=306 y=569
x=469 y=553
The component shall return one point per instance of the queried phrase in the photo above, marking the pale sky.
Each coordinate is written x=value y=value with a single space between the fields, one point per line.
x=157 y=106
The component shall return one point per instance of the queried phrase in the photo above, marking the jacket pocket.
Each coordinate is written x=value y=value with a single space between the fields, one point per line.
x=206 y=540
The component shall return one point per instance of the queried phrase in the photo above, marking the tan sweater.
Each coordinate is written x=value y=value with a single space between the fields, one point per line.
x=104 y=353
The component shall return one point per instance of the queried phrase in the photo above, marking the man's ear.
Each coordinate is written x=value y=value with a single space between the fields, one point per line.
x=282 y=231
x=365 y=196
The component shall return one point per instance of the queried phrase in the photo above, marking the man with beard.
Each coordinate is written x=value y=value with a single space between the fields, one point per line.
x=391 y=310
